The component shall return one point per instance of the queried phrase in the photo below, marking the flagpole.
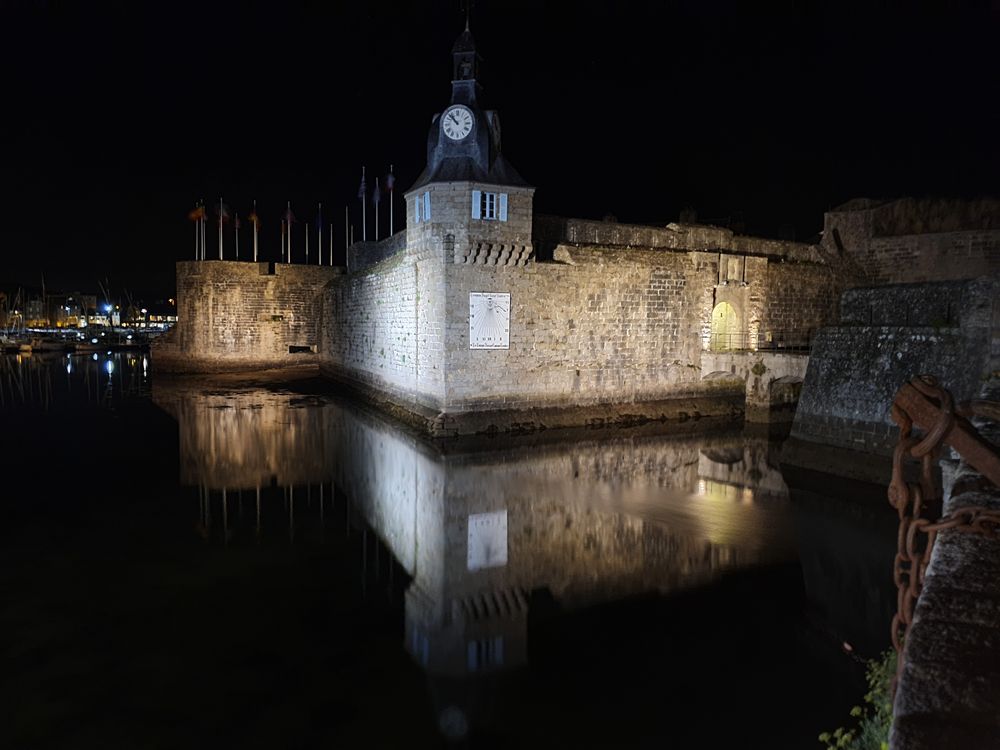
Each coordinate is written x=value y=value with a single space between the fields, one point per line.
x=288 y=258
x=236 y=226
x=319 y=239
x=307 y=243
x=204 y=231
x=364 y=206
x=255 y=230
x=197 y=232
x=391 y=187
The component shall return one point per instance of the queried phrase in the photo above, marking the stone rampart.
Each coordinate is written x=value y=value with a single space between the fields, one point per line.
x=364 y=255
x=556 y=229
x=597 y=325
x=233 y=315
x=383 y=328
x=907 y=240
x=886 y=336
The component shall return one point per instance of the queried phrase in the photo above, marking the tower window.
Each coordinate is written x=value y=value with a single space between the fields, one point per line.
x=489 y=206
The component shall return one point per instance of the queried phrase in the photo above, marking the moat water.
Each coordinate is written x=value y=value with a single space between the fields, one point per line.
x=224 y=563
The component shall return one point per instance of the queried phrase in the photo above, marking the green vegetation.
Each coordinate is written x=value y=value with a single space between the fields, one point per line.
x=874 y=720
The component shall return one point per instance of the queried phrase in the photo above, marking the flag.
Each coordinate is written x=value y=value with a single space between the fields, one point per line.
x=363 y=189
x=376 y=195
x=253 y=218
x=223 y=211
x=236 y=222
x=289 y=216
x=390 y=180
x=197 y=214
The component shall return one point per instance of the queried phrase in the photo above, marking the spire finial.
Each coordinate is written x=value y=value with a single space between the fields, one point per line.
x=467 y=6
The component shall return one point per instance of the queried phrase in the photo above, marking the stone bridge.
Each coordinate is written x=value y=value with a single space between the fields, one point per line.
x=771 y=378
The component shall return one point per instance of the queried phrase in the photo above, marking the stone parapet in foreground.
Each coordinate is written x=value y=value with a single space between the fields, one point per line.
x=949 y=691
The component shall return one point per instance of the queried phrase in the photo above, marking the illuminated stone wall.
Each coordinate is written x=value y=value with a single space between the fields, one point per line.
x=383 y=326
x=617 y=322
x=236 y=316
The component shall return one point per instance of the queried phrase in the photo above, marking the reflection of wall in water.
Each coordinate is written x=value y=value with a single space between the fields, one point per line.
x=251 y=439
x=743 y=465
x=568 y=530
x=590 y=521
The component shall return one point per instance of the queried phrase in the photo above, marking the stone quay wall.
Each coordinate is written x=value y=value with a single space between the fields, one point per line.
x=886 y=336
x=234 y=315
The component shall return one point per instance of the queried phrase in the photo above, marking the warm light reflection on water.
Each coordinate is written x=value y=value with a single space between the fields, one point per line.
x=479 y=526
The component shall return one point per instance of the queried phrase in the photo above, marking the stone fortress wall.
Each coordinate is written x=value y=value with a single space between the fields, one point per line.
x=910 y=240
x=601 y=313
x=234 y=315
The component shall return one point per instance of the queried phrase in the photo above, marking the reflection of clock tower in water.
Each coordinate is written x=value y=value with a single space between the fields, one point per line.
x=469 y=201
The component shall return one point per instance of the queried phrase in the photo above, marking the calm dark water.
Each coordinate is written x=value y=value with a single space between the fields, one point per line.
x=195 y=563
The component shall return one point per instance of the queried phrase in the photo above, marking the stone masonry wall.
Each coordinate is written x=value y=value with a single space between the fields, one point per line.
x=906 y=240
x=235 y=315
x=597 y=324
x=933 y=257
x=799 y=297
x=856 y=368
x=383 y=327
x=606 y=325
x=557 y=229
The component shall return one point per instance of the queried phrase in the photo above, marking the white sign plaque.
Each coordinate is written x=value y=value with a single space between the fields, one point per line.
x=487 y=540
x=489 y=320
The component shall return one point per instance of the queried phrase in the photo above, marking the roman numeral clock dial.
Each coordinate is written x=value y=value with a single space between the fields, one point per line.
x=457 y=122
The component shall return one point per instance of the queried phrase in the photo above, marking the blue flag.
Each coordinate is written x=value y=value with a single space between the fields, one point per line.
x=376 y=195
x=363 y=190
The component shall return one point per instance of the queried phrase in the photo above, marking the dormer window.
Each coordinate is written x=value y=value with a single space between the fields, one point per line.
x=489 y=206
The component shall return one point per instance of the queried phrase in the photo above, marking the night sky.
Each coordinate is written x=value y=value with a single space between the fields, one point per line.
x=117 y=118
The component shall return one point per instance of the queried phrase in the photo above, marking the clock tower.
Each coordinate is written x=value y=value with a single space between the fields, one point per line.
x=463 y=146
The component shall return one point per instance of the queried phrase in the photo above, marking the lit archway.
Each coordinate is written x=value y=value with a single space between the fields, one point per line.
x=725 y=333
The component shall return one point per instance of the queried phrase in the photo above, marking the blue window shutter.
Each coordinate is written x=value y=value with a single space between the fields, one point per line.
x=503 y=206
x=427 y=205
x=476 y=199
x=416 y=209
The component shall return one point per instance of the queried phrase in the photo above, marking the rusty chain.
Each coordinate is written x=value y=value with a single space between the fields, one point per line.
x=917 y=533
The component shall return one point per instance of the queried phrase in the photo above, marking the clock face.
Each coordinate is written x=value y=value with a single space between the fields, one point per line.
x=457 y=122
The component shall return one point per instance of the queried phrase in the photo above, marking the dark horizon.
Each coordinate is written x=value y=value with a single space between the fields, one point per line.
x=120 y=119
